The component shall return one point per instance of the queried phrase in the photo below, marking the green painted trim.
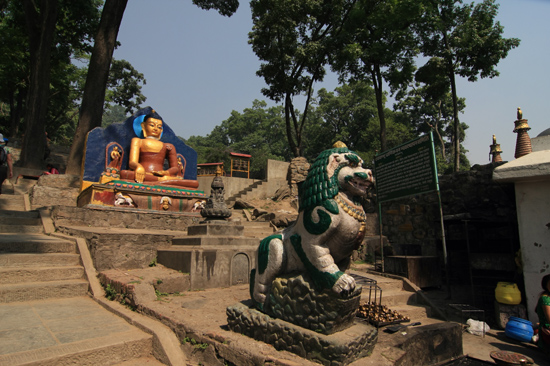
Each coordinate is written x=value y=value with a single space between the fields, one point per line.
x=263 y=252
x=149 y=202
x=317 y=228
x=181 y=205
x=322 y=280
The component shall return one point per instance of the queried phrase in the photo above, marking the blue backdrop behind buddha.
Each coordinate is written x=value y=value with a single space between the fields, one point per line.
x=110 y=148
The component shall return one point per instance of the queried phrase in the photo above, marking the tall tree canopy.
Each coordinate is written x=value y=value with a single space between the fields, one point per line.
x=294 y=39
x=378 y=44
x=71 y=48
x=468 y=40
x=258 y=131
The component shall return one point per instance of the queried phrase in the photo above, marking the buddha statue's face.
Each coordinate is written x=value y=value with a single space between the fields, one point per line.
x=152 y=128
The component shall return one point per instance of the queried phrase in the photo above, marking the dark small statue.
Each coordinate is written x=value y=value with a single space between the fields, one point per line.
x=215 y=207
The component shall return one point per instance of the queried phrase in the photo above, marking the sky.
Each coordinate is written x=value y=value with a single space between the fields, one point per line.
x=199 y=67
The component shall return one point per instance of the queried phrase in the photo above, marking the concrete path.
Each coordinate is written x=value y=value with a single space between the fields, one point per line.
x=74 y=330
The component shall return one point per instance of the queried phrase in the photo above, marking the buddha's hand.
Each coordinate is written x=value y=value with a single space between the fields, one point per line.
x=140 y=174
x=160 y=173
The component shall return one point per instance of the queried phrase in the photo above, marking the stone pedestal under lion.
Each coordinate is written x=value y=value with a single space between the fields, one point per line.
x=302 y=299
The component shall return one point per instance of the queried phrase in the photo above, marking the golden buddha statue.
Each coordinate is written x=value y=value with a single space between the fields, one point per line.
x=147 y=156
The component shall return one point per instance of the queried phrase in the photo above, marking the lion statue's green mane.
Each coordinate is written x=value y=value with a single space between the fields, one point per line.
x=318 y=187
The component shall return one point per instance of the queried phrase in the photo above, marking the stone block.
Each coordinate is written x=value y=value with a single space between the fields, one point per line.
x=295 y=299
x=430 y=344
x=337 y=349
x=503 y=312
x=216 y=228
x=42 y=196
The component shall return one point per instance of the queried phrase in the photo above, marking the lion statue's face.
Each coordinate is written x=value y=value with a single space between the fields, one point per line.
x=353 y=179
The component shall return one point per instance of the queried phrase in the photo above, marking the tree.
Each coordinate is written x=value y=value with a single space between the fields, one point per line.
x=428 y=106
x=53 y=35
x=94 y=93
x=258 y=131
x=341 y=115
x=469 y=41
x=379 y=45
x=350 y=114
x=294 y=38
x=91 y=109
x=124 y=86
x=41 y=19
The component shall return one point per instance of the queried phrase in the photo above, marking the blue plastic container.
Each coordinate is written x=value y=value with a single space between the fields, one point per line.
x=519 y=329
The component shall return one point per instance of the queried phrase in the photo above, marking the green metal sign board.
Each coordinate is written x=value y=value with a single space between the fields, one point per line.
x=406 y=170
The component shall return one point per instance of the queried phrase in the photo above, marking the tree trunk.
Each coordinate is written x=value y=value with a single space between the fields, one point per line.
x=377 y=83
x=41 y=21
x=456 y=126
x=288 y=119
x=91 y=109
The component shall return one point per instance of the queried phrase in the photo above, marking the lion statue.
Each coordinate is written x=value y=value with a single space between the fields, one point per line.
x=330 y=225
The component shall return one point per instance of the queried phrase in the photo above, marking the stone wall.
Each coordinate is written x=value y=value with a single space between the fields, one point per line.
x=299 y=167
x=412 y=225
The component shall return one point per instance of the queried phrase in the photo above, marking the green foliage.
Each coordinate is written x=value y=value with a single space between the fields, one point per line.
x=349 y=114
x=76 y=26
x=153 y=262
x=378 y=44
x=197 y=345
x=467 y=41
x=293 y=39
x=258 y=131
x=110 y=292
x=160 y=295
x=123 y=86
x=113 y=114
x=429 y=106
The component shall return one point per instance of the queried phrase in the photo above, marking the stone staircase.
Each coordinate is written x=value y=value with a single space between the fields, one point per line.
x=47 y=316
x=242 y=194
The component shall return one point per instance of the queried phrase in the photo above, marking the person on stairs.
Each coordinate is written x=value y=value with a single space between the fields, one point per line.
x=6 y=164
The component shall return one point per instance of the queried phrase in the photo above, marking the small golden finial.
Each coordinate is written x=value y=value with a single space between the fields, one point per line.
x=339 y=144
x=520 y=113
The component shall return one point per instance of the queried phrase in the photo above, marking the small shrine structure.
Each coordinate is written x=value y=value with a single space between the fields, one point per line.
x=240 y=163
x=210 y=169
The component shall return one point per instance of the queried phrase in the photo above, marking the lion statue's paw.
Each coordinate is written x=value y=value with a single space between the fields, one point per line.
x=345 y=285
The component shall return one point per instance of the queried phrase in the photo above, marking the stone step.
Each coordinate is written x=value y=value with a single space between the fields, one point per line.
x=12 y=206
x=9 y=202
x=8 y=198
x=29 y=291
x=40 y=274
x=20 y=220
x=8 y=260
x=22 y=229
x=384 y=283
x=112 y=349
x=142 y=361
x=414 y=312
x=34 y=243
x=392 y=298
x=17 y=215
